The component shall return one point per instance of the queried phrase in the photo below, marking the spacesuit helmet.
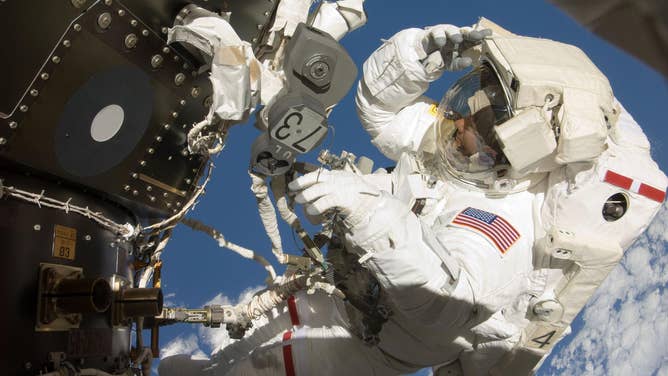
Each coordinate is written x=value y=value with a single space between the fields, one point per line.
x=529 y=106
x=466 y=140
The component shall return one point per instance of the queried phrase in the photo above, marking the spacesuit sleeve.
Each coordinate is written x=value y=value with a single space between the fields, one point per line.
x=393 y=245
x=389 y=97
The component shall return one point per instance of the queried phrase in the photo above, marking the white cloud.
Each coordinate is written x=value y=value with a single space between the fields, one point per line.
x=626 y=322
x=168 y=299
x=183 y=345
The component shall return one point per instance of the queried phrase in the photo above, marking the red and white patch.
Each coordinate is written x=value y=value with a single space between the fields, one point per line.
x=635 y=186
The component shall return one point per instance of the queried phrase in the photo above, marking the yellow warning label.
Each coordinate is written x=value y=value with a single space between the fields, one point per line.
x=64 y=242
x=433 y=110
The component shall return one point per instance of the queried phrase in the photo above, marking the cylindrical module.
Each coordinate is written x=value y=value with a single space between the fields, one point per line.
x=58 y=268
x=140 y=302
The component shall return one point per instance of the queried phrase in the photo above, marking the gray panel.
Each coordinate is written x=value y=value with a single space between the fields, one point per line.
x=639 y=27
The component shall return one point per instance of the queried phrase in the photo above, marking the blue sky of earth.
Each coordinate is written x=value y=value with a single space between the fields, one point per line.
x=623 y=330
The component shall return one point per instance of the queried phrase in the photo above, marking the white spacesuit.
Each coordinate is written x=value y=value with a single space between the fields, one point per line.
x=510 y=203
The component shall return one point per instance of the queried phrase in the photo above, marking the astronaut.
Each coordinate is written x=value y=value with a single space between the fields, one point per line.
x=512 y=199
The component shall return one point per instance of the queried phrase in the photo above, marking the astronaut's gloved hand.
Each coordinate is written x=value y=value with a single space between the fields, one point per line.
x=444 y=45
x=325 y=192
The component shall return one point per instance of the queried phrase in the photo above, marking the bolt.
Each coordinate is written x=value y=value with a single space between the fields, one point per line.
x=182 y=102
x=158 y=138
x=3 y=140
x=126 y=187
x=55 y=59
x=104 y=20
x=121 y=12
x=184 y=152
x=176 y=58
x=164 y=29
x=13 y=125
x=37 y=227
x=194 y=92
x=164 y=194
x=169 y=204
x=67 y=43
x=23 y=108
x=135 y=193
x=78 y=3
x=156 y=61
x=165 y=50
x=188 y=181
x=142 y=163
x=319 y=70
x=77 y=27
x=34 y=92
x=208 y=101
x=134 y=23
x=186 y=66
x=259 y=26
x=130 y=40
x=88 y=237
x=152 y=198
x=151 y=150
x=149 y=188
x=178 y=204
x=107 y=2
x=44 y=76
x=179 y=79
x=134 y=175
x=166 y=126
x=144 y=32
x=175 y=114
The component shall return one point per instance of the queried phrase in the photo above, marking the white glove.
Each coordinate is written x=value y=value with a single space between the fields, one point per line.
x=345 y=193
x=444 y=44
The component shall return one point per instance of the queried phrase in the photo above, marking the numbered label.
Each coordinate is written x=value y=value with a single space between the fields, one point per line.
x=301 y=129
x=64 y=242
x=544 y=338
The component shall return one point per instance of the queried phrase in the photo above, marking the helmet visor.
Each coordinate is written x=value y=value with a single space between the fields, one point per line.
x=468 y=113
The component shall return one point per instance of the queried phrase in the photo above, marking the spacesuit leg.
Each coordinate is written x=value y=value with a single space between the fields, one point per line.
x=307 y=336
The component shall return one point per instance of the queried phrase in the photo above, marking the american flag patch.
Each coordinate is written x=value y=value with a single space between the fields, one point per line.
x=501 y=233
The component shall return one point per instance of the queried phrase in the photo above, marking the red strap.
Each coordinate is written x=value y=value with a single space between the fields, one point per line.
x=292 y=307
x=627 y=183
x=287 y=355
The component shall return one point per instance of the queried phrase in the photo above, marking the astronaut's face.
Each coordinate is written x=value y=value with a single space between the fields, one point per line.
x=465 y=137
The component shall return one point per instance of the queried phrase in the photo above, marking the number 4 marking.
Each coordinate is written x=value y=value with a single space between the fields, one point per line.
x=544 y=340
